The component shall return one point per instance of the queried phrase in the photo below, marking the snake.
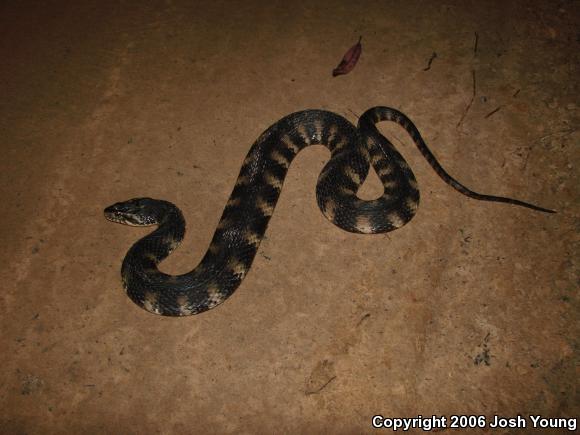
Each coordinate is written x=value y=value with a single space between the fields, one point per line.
x=241 y=228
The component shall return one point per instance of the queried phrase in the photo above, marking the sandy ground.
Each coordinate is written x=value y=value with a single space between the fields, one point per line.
x=472 y=308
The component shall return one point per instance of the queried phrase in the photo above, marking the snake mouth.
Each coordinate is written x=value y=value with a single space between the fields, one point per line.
x=113 y=215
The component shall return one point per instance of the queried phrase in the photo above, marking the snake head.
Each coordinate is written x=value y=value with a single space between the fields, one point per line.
x=137 y=212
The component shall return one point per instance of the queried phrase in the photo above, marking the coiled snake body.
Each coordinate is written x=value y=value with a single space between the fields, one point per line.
x=252 y=202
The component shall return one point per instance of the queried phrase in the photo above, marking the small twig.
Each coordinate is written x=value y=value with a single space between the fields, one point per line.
x=363 y=318
x=355 y=115
x=433 y=56
x=564 y=133
x=516 y=93
x=527 y=158
x=470 y=101
x=492 y=112
x=321 y=388
x=475 y=44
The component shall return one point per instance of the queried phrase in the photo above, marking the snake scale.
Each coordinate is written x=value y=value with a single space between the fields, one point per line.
x=254 y=197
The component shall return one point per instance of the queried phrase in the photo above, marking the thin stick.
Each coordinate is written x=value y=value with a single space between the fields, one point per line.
x=433 y=56
x=318 y=390
x=470 y=101
x=492 y=112
x=355 y=115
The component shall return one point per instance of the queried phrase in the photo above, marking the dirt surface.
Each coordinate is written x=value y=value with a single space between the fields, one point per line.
x=472 y=308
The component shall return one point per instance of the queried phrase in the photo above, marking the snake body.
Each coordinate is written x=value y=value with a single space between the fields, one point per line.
x=254 y=197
